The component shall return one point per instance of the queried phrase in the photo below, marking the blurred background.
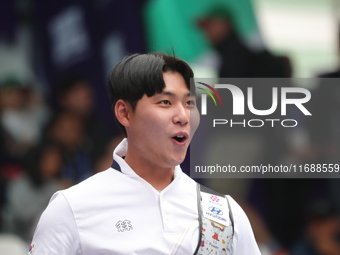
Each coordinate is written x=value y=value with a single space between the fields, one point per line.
x=56 y=124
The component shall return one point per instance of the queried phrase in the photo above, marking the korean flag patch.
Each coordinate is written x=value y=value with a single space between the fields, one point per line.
x=31 y=249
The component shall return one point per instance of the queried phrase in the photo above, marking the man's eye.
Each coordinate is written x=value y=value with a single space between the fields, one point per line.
x=191 y=102
x=165 y=102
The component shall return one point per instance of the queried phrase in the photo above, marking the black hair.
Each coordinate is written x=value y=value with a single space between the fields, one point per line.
x=140 y=74
x=68 y=82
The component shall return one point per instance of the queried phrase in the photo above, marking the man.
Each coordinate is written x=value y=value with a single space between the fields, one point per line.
x=144 y=204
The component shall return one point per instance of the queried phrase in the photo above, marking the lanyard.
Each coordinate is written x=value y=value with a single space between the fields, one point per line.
x=216 y=227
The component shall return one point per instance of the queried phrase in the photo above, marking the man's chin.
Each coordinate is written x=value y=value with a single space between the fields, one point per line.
x=179 y=160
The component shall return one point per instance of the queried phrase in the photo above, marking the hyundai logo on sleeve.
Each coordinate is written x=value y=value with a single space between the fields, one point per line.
x=215 y=210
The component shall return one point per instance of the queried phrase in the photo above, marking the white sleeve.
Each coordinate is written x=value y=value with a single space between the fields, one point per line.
x=56 y=232
x=244 y=242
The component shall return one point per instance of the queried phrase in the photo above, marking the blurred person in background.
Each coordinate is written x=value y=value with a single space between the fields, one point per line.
x=248 y=146
x=322 y=231
x=325 y=126
x=67 y=130
x=29 y=194
x=236 y=58
x=75 y=94
x=23 y=115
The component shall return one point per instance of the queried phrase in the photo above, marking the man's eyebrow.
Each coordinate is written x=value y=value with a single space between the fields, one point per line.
x=168 y=93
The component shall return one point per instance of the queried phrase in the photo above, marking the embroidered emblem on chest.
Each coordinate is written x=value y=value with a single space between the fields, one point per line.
x=124 y=225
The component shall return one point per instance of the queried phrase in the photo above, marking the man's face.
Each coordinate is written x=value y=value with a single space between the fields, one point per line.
x=215 y=29
x=161 y=126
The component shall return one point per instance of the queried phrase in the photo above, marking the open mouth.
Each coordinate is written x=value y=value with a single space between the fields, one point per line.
x=179 y=138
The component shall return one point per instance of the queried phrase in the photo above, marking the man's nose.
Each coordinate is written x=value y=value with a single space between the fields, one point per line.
x=181 y=115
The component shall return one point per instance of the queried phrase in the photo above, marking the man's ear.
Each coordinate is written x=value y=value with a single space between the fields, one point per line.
x=122 y=111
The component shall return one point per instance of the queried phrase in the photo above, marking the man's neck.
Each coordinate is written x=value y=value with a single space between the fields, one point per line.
x=157 y=176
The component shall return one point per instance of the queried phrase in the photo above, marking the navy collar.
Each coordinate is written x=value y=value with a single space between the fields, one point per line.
x=116 y=166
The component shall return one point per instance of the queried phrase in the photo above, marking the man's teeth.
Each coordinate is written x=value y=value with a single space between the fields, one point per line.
x=179 y=137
